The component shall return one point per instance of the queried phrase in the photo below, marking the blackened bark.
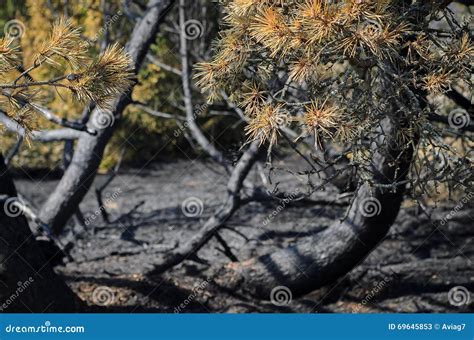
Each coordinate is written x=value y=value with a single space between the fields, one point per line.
x=78 y=178
x=27 y=282
x=334 y=252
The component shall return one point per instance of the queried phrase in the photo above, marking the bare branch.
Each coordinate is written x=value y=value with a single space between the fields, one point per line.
x=164 y=66
x=63 y=122
x=44 y=136
x=460 y=100
x=217 y=221
x=187 y=94
x=14 y=150
x=78 y=178
x=156 y=113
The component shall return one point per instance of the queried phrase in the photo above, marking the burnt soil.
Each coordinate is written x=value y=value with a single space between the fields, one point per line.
x=412 y=270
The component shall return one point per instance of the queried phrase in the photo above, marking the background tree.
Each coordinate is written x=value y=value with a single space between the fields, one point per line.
x=78 y=178
x=98 y=81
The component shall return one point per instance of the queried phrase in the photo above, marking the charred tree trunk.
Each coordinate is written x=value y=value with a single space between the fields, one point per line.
x=334 y=252
x=80 y=174
x=27 y=282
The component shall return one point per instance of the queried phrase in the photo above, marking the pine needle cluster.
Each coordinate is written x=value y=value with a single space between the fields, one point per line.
x=87 y=79
x=332 y=52
x=335 y=69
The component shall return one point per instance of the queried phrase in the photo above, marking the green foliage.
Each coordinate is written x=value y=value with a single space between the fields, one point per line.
x=9 y=9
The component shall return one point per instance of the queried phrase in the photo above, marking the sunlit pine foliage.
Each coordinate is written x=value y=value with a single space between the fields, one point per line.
x=97 y=80
x=340 y=67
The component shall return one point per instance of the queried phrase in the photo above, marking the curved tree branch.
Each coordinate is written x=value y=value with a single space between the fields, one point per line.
x=44 y=136
x=217 y=221
x=335 y=251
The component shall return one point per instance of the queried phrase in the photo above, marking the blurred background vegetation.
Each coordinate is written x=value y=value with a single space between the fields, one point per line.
x=140 y=134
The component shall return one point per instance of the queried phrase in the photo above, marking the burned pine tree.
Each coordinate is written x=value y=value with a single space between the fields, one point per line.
x=360 y=75
x=356 y=83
